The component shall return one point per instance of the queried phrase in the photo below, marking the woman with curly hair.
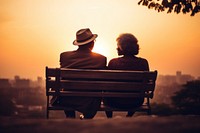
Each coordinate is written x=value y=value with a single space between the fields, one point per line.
x=128 y=48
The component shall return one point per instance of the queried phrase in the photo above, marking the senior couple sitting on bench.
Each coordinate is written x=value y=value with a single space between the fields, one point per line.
x=84 y=58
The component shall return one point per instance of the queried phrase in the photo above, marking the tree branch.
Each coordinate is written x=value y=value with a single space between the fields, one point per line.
x=184 y=6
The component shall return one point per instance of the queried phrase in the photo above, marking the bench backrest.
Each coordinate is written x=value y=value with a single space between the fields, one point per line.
x=110 y=83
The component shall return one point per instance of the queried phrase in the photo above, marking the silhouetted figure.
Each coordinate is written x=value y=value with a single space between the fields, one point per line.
x=127 y=45
x=83 y=58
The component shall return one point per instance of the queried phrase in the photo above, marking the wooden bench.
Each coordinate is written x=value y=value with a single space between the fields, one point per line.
x=100 y=83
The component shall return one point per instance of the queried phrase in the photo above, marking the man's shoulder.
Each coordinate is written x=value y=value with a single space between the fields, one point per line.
x=98 y=55
x=67 y=53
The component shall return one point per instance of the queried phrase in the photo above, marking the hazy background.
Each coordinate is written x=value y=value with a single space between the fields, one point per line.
x=33 y=33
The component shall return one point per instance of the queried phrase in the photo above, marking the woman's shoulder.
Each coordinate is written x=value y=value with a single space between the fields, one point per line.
x=115 y=59
x=142 y=59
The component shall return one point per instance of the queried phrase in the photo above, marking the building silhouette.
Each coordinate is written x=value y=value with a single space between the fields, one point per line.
x=179 y=78
x=168 y=85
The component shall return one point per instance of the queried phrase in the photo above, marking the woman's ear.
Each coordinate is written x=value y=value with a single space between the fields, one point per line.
x=119 y=51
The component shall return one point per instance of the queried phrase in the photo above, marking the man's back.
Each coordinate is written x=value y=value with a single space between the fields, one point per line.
x=82 y=58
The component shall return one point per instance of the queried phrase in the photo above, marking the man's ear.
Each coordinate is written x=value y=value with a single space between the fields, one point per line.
x=92 y=45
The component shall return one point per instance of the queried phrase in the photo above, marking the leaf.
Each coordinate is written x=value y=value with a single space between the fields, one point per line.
x=140 y=2
x=165 y=3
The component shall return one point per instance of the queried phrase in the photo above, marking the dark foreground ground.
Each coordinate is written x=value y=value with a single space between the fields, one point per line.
x=118 y=124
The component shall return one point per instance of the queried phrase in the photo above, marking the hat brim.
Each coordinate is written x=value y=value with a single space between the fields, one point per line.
x=85 y=42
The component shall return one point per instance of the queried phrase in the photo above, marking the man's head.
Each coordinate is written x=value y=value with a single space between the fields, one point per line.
x=84 y=36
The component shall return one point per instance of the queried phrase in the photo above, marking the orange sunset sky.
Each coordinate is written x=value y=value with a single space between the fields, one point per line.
x=33 y=33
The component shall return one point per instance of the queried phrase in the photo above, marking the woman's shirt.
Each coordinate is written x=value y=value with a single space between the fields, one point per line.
x=129 y=63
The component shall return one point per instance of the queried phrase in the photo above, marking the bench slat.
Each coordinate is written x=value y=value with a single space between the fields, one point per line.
x=102 y=108
x=99 y=94
x=102 y=85
x=107 y=74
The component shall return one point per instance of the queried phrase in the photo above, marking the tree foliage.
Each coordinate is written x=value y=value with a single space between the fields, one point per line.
x=7 y=107
x=187 y=100
x=184 y=6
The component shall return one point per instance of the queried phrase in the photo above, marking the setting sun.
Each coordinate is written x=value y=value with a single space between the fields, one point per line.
x=102 y=47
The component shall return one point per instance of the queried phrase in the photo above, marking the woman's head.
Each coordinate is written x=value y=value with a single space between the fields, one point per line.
x=127 y=44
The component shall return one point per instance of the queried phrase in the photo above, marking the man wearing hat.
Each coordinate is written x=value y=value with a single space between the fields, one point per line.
x=82 y=58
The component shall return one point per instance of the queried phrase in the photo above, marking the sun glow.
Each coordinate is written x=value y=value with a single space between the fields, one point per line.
x=101 y=48
x=38 y=31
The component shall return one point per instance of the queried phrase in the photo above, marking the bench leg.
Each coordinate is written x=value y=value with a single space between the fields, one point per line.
x=149 y=106
x=149 y=112
x=47 y=114
x=130 y=113
x=109 y=114
x=47 y=108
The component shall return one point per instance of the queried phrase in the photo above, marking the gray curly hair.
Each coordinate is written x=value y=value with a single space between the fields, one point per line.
x=127 y=43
